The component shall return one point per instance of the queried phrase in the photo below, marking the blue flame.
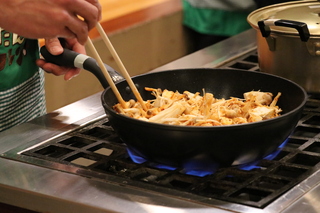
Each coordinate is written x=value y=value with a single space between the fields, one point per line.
x=250 y=166
x=200 y=166
x=199 y=173
x=201 y=169
x=274 y=154
x=253 y=165
x=135 y=158
x=162 y=166
x=140 y=160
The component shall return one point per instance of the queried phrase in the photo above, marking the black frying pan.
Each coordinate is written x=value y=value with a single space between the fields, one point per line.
x=179 y=145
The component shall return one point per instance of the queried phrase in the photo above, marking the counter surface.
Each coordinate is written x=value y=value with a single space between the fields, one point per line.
x=51 y=190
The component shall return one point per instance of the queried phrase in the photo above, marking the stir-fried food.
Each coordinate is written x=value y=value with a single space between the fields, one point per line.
x=192 y=109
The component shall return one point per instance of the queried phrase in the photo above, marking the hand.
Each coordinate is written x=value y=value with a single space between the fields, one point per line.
x=50 y=18
x=55 y=48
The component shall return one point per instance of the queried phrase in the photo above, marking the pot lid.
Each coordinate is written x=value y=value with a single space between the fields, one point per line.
x=307 y=12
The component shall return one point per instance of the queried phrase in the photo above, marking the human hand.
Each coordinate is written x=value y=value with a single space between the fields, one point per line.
x=50 y=18
x=55 y=47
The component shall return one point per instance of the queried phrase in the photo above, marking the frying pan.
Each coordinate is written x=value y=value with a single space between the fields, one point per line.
x=181 y=145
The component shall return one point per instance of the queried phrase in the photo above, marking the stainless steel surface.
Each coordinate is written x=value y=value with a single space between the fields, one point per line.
x=47 y=190
x=216 y=55
x=66 y=190
x=303 y=203
x=302 y=11
x=283 y=52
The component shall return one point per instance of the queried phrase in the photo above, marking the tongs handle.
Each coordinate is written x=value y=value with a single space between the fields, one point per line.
x=71 y=58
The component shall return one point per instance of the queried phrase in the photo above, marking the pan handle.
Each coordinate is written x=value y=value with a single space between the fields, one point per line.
x=70 y=58
x=301 y=27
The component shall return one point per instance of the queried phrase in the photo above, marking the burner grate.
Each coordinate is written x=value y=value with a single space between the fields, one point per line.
x=97 y=152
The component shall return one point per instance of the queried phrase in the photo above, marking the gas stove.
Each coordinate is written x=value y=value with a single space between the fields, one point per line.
x=71 y=160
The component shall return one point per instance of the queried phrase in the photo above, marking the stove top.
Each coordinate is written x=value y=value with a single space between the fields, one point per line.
x=65 y=161
x=98 y=153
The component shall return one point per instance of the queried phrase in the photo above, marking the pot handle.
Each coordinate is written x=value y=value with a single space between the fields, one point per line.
x=70 y=58
x=301 y=27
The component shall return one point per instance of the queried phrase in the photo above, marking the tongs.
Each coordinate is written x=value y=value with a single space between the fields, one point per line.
x=78 y=60
x=122 y=68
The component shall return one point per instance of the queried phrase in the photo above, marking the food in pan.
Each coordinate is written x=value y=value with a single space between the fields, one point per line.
x=192 y=109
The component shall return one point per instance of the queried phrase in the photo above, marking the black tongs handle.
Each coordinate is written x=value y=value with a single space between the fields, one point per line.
x=71 y=58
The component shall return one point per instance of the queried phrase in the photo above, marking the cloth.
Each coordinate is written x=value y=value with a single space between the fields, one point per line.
x=213 y=17
x=228 y=5
x=22 y=96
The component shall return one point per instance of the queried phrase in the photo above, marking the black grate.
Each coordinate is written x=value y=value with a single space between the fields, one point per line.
x=98 y=152
x=97 y=149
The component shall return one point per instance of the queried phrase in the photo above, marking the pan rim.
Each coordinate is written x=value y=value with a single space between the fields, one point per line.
x=204 y=128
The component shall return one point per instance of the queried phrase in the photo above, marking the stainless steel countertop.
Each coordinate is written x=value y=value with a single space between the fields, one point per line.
x=216 y=55
x=47 y=190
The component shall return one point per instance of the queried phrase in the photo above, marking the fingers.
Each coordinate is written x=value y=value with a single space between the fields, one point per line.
x=68 y=72
x=71 y=74
x=52 y=68
x=80 y=30
x=86 y=15
x=97 y=4
x=54 y=46
x=89 y=10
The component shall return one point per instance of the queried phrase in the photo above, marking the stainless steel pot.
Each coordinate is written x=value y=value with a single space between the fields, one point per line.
x=288 y=39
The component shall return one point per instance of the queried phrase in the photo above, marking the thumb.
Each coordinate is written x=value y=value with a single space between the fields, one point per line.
x=54 y=46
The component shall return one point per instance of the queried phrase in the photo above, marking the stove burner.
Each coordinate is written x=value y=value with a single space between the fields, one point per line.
x=107 y=158
x=189 y=168
x=253 y=165
x=197 y=168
